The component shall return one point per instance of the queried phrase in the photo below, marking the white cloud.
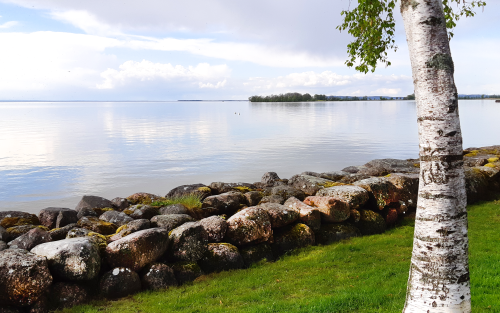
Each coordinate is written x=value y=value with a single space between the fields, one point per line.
x=8 y=24
x=86 y=21
x=206 y=75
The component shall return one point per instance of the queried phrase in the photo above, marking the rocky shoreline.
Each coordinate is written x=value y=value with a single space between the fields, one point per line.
x=114 y=248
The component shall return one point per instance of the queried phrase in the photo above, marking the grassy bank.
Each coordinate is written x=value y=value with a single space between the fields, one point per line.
x=365 y=274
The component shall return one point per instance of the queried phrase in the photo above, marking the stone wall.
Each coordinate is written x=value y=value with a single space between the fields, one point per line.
x=113 y=248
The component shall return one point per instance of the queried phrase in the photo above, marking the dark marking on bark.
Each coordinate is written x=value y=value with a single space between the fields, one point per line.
x=433 y=21
x=434 y=304
x=450 y=134
x=430 y=196
x=441 y=158
x=462 y=297
x=429 y=118
x=463 y=278
x=445 y=232
x=440 y=132
x=441 y=61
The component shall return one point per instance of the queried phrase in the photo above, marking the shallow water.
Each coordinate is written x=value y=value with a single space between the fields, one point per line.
x=53 y=153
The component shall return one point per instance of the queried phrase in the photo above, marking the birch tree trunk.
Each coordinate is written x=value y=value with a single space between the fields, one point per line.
x=439 y=273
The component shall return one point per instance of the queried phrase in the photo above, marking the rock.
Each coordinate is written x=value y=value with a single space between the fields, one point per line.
x=221 y=257
x=10 y=309
x=386 y=166
x=119 y=282
x=272 y=199
x=12 y=233
x=253 y=197
x=308 y=215
x=329 y=233
x=67 y=294
x=188 y=242
x=143 y=198
x=354 y=196
x=115 y=217
x=292 y=237
x=269 y=178
x=390 y=216
x=96 y=225
x=331 y=209
x=280 y=215
x=334 y=176
x=24 y=277
x=87 y=212
x=120 y=204
x=3 y=233
x=406 y=188
x=371 y=223
x=287 y=192
x=157 y=276
x=31 y=239
x=481 y=183
x=132 y=227
x=257 y=253
x=352 y=178
x=200 y=190
x=137 y=249
x=174 y=209
x=40 y=306
x=219 y=188
x=99 y=239
x=93 y=202
x=140 y=211
x=215 y=227
x=60 y=233
x=71 y=259
x=351 y=169
x=15 y=218
x=171 y=221
x=225 y=203
x=48 y=217
x=78 y=232
x=354 y=216
x=382 y=192
x=309 y=184
x=310 y=174
x=186 y=271
x=249 y=226
x=3 y=245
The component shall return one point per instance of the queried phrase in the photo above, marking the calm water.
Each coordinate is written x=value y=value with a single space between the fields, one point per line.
x=53 y=153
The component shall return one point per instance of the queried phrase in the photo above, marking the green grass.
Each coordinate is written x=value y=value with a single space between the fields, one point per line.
x=191 y=201
x=366 y=274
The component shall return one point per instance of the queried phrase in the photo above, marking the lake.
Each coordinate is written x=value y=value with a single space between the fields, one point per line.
x=53 y=153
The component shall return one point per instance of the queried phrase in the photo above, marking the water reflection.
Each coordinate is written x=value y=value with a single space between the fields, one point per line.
x=53 y=153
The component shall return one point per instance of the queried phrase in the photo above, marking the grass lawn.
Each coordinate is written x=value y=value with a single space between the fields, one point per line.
x=366 y=274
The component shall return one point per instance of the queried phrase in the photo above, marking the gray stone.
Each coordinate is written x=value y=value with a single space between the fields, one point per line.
x=115 y=217
x=269 y=178
x=92 y=202
x=87 y=212
x=132 y=227
x=280 y=215
x=3 y=245
x=137 y=249
x=200 y=190
x=371 y=223
x=386 y=166
x=143 y=198
x=171 y=221
x=120 y=204
x=77 y=232
x=331 y=209
x=249 y=226
x=186 y=271
x=334 y=176
x=221 y=257
x=215 y=227
x=31 y=239
x=140 y=211
x=382 y=192
x=354 y=196
x=24 y=277
x=292 y=237
x=272 y=199
x=120 y=282
x=16 y=218
x=188 y=242
x=329 y=233
x=66 y=294
x=174 y=209
x=351 y=169
x=352 y=178
x=309 y=184
x=308 y=215
x=287 y=192
x=219 y=187
x=60 y=233
x=311 y=174
x=3 y=232
x=71 y=259
x=158 y=276
x=225 y=203
x=96 y=225
x=12 y=233
x=256 y=253
x=48 y=217
x=253 y=197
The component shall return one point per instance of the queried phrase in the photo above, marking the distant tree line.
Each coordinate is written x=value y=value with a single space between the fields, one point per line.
x=466 y=97
x=298 y=97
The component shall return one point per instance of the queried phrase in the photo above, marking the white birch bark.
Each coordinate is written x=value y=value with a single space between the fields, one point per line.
x=439 y=273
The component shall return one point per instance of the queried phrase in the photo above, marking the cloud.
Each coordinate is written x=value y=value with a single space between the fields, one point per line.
x=86 y=21
x=204 y=74
x=8 y=24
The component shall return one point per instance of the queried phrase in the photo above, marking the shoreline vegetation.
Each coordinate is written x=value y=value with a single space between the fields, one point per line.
x=298 y=97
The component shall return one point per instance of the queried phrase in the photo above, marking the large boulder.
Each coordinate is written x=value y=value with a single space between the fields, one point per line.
x=119 y=282
x=60 y=233
x=200 y=190
x=310 y=185
x=292 y=237
x=287 y=192
x=12 y=233
x=138 y=249
x=253 y=197
x=48 y=217
x=96 y=225
x=280 y=215
x=93 y=202
x=331 y=209
x=67 y=294
x=115 y=217
x=31 y=239
x=219 y=188
x=188 y=242
x=256 y=253
x=272 y=199
x=329 y=233
x=170 y=221
x=371 y=223
x=382 y=191
x=225 y=203
x=354 y=196
x=221 y=257
x=24 y=277
x=482 y=183
x=71 y=259
x=381 y=167
x=99 y=239
x=173 y=209
x=334 y=175
x=215 y=227
x=157 y=276
x=249 y=226
x=120 y=203
x=142 y=198
x=87 y=212
x=15 y=218
x=269 y=179
x=308 y=215
x=132 y=227
x=406 y=189
x=186 y=271
x=140 y=211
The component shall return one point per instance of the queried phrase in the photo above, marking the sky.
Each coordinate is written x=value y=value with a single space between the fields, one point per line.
x=217 y=49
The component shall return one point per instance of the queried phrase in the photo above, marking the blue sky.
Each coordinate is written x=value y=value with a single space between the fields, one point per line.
x=218 y=49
